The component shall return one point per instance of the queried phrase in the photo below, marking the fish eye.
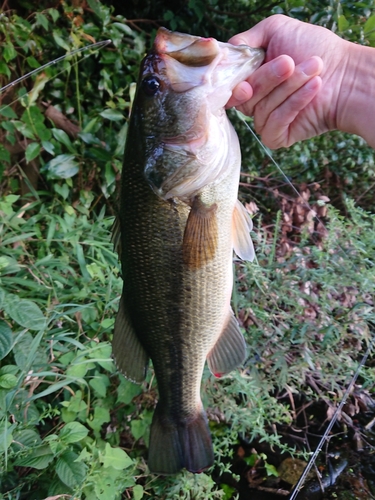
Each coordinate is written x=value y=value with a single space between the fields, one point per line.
x=150 y=85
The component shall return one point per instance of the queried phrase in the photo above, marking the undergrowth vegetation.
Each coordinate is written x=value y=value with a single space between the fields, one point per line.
x=70 y=425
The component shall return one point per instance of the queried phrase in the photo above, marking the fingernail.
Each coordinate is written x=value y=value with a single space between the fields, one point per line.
x=309 y=67
x=280 y=67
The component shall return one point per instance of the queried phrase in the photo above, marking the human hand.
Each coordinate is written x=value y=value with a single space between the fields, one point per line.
x=294 y=95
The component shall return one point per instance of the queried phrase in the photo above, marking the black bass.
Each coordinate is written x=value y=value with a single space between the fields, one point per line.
x=179 y=221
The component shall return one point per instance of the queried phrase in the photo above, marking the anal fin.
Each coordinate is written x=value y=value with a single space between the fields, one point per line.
x=200 y=236
x=242 y=225
x=128 y=353
x=229 y=352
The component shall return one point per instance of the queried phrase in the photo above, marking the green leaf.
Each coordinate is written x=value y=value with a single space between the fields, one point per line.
x=27 y=438
x=112 y=114
x=32 y=62
x=139 y=428
x=70 y=472
x=116 y=458
x=4 y=69
x=8 y=52
x=54 y=14
x=41 y=20
x=32 y=151
x=62 y=167
x=8 y=381
x=369 y=26
x=137 y=492
x=343 y=23
x=39 y=458
x=100 y=384
x=5 y=435
x=6 y=339
x=127 y=390
x=4 y=154
x=26 y=313
x=7 y=111
x=101 y=416
x=60 y=41
x=62 y=136
x=49 y=147
x=73 y=432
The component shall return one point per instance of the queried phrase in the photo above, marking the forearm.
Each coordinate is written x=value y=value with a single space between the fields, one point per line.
x=356 y=103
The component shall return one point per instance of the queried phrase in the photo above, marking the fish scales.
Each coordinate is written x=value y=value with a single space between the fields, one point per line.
x=177 y=210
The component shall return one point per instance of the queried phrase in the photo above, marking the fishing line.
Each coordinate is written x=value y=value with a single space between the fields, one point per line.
x=94 y=46
x=269 y=154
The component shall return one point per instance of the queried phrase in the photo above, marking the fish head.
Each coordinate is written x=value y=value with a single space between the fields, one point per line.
x=184 y=81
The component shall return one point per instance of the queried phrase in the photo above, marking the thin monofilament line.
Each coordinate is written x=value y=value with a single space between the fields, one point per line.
x=95 y=46
x=304 y=202
x=314 y=456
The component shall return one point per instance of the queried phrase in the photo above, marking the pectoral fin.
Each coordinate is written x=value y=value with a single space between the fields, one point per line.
x=242 y=225
x=128 y=353
x=229 y=350
x=201 y=233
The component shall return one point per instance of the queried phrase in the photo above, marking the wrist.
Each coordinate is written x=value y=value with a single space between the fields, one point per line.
x=356 y=101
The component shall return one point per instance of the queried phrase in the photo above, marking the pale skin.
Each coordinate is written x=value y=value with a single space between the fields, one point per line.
x=311 y=81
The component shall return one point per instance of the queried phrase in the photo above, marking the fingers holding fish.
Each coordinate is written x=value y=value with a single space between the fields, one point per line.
x=282 y=126
x=266 y=79
x=276 y=117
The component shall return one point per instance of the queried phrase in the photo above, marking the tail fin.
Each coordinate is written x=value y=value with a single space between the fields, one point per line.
x=178 y=445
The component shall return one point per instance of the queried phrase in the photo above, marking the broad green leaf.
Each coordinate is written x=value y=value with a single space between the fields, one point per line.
x=127 y=390
x=116 y=458
x=105 y=488
x=4 y=154
x=137 y=492
x=26 y=313
x=62 y=136
x=8 y=52
x=32 y=62
x=7 y=111
x=112 y=114
x=32 y=151
x=101 y=416
x=70 y=472
x=8 y=381
x=343 y=23
x=73 y=432
x=27 y=438
x=369 y=26
x=6 y=339
x=41 y=20
x=4 y=69
x=49 y=147
x=39 y=458
x=139 y=428
x=62 y=167
x=54 y=14
x=60 y=41
x=100 y=383
x=6 y=436
x=25 y=350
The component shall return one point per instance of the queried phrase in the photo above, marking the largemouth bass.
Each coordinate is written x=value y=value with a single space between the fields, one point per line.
x=179 y=220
